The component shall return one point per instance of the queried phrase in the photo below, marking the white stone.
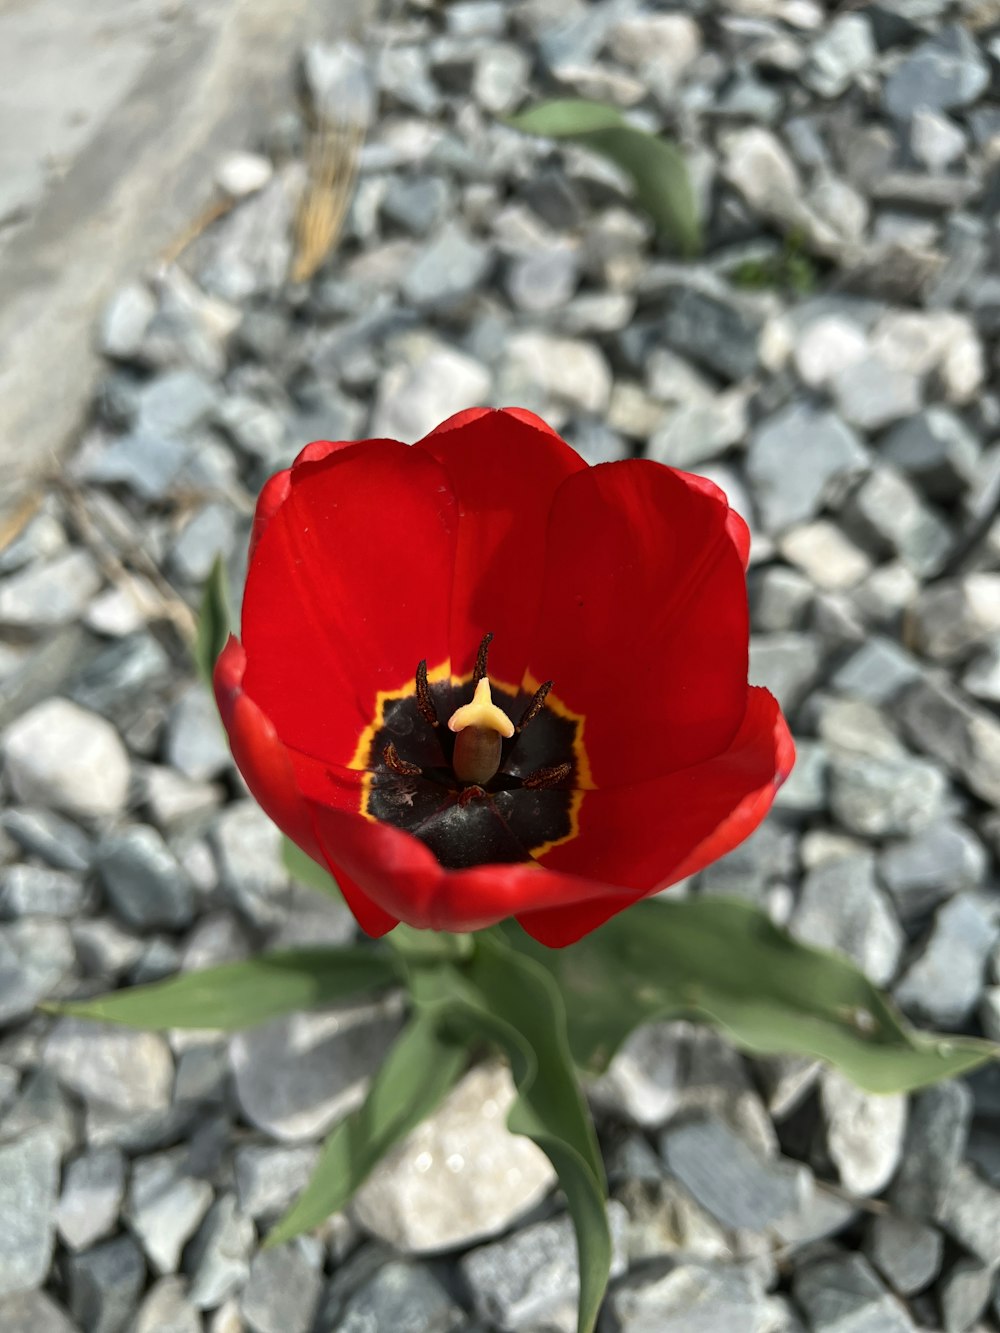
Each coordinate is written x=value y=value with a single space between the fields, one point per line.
x=864 y=1132
x=426 y=386
x=936 y=141
x=461 y=1176
x=568 y=371
x=662 y=46
x=822 y=552
x=61 y=755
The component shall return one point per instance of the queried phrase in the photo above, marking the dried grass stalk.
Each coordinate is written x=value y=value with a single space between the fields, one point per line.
x=331 y=169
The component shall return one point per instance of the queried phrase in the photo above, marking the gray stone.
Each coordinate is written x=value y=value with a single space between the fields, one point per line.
x=795 y=459
x=195 y=742
x=447 y=270
x=283 y=1290
x=33 y=1312
x=965 y=1292
x=727 y=1177
x=787 y=664
x=403 y=74
x=429 y=382
x=404 y=1298
x=936 y=1136
x=269 y=1178
x=965 y=739
x=261 y=432
x=167 y=1310
x=942 y=985
x=715 y=330
x=41 y=1106
x=982 y=678
x=175 y=403
x=544 y=280
x=165 y=1206
x=805 y=791
x=104 y=1285
x=843 y=51
x=531 y=1278
x=886 y=797
x=877 y=671
x=936 y=450
x=218 y=1259
x=500 y=77
x=864 y=1133
x=935 y=863
x=248 y=845
x=92 y=1192
x=871 y=394
x=854 y=726
x=42 y=833
x=841 y=907
x=952 y=617
x=29 y=1179
x=59 y=754
x=841 y=1294
x=415 y=202
x=125 y=320
x=548 y=371
x=643 y=1082
x=768 y=855
x=148 y=462
x=114 y=1068
x=42 y=596
x=970 y=1212
x=338 y=80
x=907 y=1253
x=296 y=1076
x=944 y=73
x=147 y=886
x=887 y=512
x=36 y=956
x=460 y=1176
x=176 y=802
x=779 y=599
x=209 y=534
x=120 y=681
x=29 y=890
x=691 y=1298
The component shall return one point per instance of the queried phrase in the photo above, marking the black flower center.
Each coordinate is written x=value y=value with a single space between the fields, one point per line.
x=503 y=786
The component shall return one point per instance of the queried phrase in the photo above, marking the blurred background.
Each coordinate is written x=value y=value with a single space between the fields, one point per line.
x=227 y=229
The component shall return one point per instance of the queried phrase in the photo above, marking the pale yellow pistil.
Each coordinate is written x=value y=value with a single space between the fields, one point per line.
x=481 y=728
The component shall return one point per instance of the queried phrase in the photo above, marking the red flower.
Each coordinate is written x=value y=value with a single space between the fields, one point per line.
x=378 y=574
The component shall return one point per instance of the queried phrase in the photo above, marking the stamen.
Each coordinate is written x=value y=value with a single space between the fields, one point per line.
x=398 y=764
x=469 y=794
x=535 y=706
x=425 y=703
x=480 y=668
x=543 y=778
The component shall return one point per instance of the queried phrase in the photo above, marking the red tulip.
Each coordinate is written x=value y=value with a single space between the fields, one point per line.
x=602 y=746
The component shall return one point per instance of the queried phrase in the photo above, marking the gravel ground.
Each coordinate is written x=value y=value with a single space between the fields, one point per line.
x=841 y=384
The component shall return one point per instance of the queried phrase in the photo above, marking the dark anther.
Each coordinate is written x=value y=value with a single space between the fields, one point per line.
x=424 y=701
x=480 y=670
x=543 y=778
x=535 y=707
x=469 y=794
x=398 y=765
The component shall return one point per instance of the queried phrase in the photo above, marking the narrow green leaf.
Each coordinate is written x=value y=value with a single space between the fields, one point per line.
x=417 y=947
x=656 y=166
x=215 y=621
x=724 y=962
x=304 y=869
x=238 y=995
x=508 y=998
x=420 y=1069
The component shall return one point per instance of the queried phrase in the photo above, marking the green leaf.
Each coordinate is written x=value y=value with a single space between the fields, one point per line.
x=417 y=947
x=307 y=871
x=238 y=995
x=656 y=166
x=510 y=999
x=418 y=1072
x=215 y=621
x=724 y=962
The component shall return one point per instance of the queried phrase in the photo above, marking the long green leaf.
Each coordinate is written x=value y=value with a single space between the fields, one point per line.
x=238 y=995
x=507 y=997
x=420 y=1069
x=724 y=962
x=656 y=166
x=215 y=621
x=304 y=869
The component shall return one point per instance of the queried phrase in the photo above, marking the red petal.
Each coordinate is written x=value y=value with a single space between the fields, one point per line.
x=269 y=772
x=736 y=527
x=643 y=623
x=654 y=834
x=504 y=468
x=401 y=875
x=347 y=591
x=276 y=488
